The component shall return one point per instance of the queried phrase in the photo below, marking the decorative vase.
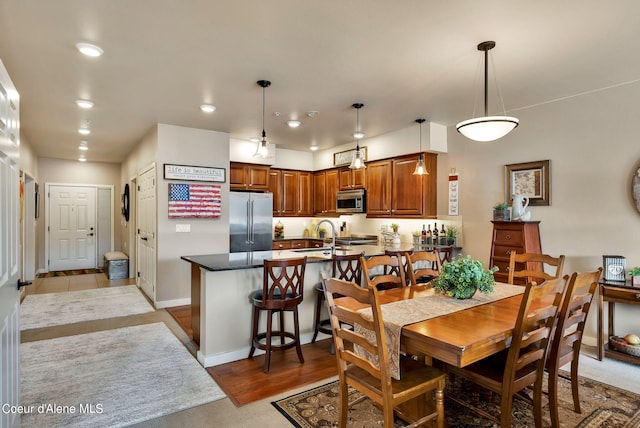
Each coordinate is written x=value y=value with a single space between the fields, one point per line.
x=467 y=296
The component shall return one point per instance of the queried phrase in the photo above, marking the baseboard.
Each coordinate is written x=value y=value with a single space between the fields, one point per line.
x=171 y=303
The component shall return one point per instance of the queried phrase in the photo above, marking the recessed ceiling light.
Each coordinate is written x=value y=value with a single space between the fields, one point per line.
x=84 y=131
x=84 y=103
x=293 y=123
x=84 y=148
x=89 y=49
x=207 y=108
x=358 y=135
x=83 y=145
x=313 y=148
x=82 y=159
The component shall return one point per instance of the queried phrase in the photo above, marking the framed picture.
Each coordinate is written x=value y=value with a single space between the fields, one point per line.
x=530 y=179
x=345 y=158
x=194 y=173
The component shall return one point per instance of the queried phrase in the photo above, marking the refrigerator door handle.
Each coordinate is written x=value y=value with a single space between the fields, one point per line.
x=251 y=224
x=248 y=223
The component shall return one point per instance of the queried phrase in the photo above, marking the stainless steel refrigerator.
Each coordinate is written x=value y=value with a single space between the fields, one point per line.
x=250 y=221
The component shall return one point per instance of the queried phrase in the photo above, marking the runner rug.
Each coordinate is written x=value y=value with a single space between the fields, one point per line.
x=69 y=272
x=46 y=310
x=110 y=378
x=602 y=406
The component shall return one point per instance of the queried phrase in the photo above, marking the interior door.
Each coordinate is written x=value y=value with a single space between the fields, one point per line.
x=72 y=227
x=146 y=217
x=9 y=251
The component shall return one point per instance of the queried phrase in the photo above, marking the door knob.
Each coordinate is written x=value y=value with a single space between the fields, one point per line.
x=90 y=234
x=144 y=239
x=23 y=284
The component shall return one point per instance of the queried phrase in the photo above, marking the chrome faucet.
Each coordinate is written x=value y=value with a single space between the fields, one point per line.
x=333 y=232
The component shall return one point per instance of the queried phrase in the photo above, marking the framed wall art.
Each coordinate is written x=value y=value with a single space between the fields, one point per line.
x=345 y=158
x=194 y=173
x=530 y=179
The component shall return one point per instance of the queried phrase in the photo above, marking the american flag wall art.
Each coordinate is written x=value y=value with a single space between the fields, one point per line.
x=194 y=200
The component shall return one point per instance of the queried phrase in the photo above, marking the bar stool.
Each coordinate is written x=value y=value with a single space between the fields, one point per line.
x=282 y=291
x=346 y=267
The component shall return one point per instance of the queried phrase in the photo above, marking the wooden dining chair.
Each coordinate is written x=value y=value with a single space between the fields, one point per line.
x=343 y=266
x=530 y=267
x=402 y=255
x=282 y=291
x=383 y=272
x=522 y=364
x=567 y=339
x=423 y=266
x=419 y=383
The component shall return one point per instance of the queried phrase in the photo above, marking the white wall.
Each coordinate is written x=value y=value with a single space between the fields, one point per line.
x=591 y=143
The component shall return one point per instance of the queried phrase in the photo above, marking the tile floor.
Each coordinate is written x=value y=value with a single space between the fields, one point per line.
x=57 y=284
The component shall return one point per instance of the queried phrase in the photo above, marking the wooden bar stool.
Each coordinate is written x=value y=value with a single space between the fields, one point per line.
x=346 y=267
x=282 y=291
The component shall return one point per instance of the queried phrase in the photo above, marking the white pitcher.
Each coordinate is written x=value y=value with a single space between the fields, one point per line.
x=519 y=206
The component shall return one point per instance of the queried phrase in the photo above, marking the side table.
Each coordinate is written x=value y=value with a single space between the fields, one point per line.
x=615 y=292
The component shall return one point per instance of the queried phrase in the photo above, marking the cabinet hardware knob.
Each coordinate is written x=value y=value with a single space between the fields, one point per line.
x=638 y=296
x=508 y=252
x=507 y=237
x=507 y=268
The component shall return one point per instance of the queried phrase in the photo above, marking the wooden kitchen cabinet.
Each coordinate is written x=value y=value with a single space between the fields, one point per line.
x=275 y=187
x=393 y=190
x=508 y=236
x=352 y=178
x=292 y=192
x=246 y=176
x=325 y=187
x=293 y=244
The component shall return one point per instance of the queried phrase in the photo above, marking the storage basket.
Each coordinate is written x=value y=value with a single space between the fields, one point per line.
x=618 y=344
x=116 y=265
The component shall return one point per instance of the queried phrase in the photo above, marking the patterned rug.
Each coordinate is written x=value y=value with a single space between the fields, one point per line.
x=46 y=310
x=69 y=272
x=602 y=406
x=110 y=378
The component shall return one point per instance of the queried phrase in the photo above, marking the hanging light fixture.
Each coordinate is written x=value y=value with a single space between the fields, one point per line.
x=487 y=128
x=358 y=159
x=420 y=169
x=263 y=150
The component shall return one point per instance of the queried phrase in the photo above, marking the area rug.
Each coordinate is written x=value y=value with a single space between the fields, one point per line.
x=110 y=378
x=602 y=406
x=46 y=310
x=69 y=272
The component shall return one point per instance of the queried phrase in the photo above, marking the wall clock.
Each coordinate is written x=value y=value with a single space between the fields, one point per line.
x=635 y=188
x=125 y=202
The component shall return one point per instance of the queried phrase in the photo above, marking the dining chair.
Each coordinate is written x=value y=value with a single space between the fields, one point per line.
x=522 y=364
x=565 y=347
x=532 y=267
x=383 y=272
x=421 y=384
x=343 y=266
x=282 y=291
x=402 y=255
x=423 y=266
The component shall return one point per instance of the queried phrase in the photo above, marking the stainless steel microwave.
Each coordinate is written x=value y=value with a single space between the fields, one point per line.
x=351 y=201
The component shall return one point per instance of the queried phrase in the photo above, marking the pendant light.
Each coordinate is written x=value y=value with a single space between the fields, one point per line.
x=358 y=159
x=420 y=169
x=263 y=150
x=487 y=128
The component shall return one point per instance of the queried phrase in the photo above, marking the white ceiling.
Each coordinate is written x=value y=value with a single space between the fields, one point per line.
x=403 y=59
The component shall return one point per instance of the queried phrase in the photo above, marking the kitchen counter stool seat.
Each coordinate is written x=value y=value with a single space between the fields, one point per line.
x=280 y=278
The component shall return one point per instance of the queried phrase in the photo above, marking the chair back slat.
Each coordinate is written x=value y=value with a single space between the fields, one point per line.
x=532 y=267
x=347 y=267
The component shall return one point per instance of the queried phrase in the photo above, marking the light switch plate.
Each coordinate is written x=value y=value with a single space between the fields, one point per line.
x=183 y=228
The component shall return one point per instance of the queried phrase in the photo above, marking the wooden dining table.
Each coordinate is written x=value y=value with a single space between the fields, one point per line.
x=459 y=338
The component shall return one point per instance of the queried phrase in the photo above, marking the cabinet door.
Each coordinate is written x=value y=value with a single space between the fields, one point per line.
x=305 y=197
x=237 y=176
x=379 y=188
x=290 y=193
x=258 y=177
x=331 y=188
x=359 y=178
x=319 y=192
x=407 y=188
x=345 y=180
x=275 y=187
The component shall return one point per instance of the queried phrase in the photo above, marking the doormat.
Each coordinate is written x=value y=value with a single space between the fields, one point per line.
x=69 y=272
x=111 y=378
x=602 y=405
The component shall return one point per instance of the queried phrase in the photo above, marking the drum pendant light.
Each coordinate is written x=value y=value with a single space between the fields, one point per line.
x=358 y=158
x=420 y=169
x=487 y=128
x=263 y=150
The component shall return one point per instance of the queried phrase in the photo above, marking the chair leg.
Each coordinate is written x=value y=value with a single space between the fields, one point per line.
x=267 y=357
x=296 y=328
x=537 y=403
x=439 y=393
x=505 y=410
x=282 y=330
x=344 y=404
x=316 y=318
x=254 y=330
x=553 y=395
x=574 y=382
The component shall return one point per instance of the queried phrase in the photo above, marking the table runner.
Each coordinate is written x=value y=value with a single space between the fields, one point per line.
x=395 y=315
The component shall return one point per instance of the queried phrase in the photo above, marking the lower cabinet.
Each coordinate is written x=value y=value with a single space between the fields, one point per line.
x=292 y=244
x=508 y=236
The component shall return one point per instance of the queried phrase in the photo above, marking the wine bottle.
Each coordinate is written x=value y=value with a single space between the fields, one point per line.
x=443 y=235
x=423 y=235
x=435 y=234
x=428 y=238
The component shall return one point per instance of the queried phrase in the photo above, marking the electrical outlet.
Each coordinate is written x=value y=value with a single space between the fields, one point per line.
x=183 y=228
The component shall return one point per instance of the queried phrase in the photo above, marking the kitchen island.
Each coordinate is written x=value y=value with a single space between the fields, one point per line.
x=222 y=283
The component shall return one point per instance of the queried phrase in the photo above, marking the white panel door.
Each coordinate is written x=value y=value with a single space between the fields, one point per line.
x=72 y=234
x=146 y=217
x=9 y=251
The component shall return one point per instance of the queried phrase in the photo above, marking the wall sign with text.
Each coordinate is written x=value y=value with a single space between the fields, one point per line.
x=194 y=173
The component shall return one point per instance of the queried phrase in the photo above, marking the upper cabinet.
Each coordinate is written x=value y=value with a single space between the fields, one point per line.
x=353 y=178
x=325 y=187
x=393 y=190
x=246 y=176
x=291 y=192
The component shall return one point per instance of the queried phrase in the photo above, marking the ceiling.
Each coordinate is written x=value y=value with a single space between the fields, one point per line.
x=402 y=59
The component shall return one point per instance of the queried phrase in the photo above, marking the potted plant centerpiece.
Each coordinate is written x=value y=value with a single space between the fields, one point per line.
x=501 y=212
x=635 y=276
x=463 y=276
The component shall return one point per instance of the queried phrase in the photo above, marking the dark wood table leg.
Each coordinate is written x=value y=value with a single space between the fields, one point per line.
x=195 y=302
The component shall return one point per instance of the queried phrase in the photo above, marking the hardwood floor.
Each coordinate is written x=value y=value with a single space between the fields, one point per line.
x=245 y=382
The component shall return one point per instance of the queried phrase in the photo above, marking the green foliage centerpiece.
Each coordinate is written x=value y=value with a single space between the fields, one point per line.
x=462 y=277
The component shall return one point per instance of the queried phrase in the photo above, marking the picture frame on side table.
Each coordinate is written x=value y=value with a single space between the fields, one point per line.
x=530 y=179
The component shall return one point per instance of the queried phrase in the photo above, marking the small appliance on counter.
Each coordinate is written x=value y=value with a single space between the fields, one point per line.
x=250 y=221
